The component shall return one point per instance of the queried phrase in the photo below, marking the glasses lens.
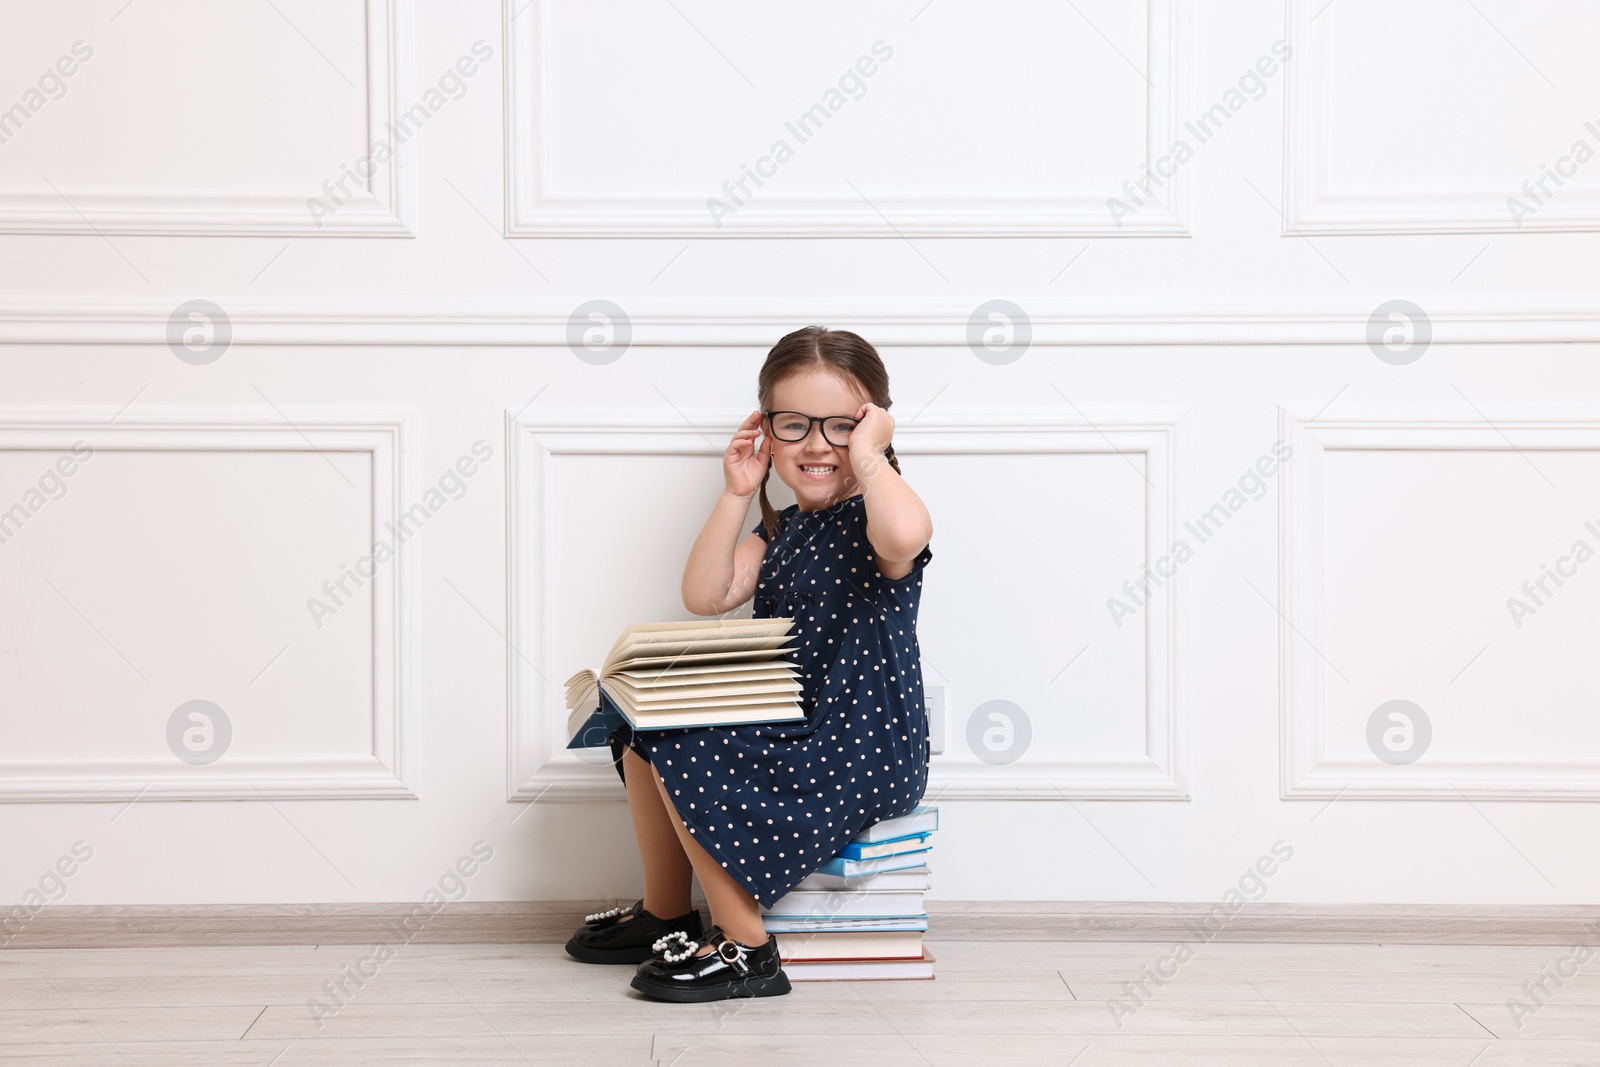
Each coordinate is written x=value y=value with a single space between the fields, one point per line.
x=837 y=431
x=789 y=426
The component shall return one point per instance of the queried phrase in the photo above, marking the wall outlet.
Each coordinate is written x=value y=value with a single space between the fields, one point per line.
x=933 y=702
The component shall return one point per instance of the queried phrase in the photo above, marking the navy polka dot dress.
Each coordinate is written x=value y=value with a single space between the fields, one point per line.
x=773 y=802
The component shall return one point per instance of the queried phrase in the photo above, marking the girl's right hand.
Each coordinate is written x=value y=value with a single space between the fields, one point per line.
x=744 y=465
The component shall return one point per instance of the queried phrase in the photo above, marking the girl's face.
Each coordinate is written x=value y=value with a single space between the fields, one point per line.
x=818 y=471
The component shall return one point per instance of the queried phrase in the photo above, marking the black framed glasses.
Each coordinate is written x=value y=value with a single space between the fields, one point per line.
x=795 y=426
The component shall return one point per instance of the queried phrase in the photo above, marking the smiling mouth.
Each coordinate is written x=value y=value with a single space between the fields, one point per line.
x=817 y=472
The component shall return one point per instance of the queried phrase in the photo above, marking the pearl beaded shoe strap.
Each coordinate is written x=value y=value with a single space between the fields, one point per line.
x=661 y=945
x=688 y=946
x=609 y=913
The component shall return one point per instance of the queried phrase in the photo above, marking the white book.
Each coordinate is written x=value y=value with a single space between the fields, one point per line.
x=922 y=819
x=858 y=970
x=806 y=924
x=850 y=945
x=846 y=904
x=911 y=878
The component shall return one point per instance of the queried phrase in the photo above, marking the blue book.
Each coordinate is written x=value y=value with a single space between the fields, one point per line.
x=846 y=868
x=596 y=729
x=865 y=850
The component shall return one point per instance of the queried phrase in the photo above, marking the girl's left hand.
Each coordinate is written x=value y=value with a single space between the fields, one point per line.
x=873 y=431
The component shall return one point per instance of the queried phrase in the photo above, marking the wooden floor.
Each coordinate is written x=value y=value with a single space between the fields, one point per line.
x=992 y=1003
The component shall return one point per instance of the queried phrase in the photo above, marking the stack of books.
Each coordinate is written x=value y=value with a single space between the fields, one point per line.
x=861 y=914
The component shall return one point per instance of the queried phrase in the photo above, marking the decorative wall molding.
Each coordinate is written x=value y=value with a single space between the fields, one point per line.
x=387 y=436
x=1311 y=207
x=1551 y=319
x=387 y=210
x=531 y=213
x=539 y=767
x=1306 y=770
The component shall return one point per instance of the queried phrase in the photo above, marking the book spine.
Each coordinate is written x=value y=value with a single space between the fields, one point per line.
x=892 y=846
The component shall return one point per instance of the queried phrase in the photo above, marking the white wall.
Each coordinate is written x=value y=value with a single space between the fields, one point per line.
x=1159 y=352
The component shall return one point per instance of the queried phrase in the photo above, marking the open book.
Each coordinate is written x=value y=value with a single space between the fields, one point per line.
x=721 y=672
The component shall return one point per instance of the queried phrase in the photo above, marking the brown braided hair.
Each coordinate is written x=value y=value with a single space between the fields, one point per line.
x=846 y=354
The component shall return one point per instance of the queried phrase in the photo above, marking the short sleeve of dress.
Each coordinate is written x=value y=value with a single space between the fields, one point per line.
x=901 y=598
x=911 y=576
x=760 y=529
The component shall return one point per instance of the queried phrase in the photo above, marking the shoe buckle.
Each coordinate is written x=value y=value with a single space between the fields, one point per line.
x=726 y=946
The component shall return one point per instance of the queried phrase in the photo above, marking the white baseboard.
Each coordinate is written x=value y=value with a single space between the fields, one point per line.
x=552 y=921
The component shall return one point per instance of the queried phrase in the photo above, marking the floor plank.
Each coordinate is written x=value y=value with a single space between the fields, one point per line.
x=993 y=1003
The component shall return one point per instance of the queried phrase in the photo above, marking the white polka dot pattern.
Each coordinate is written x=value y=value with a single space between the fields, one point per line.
x=773 y=802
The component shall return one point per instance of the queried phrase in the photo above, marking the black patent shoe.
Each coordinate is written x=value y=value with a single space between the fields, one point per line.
x=606 y=938
x=731 y=969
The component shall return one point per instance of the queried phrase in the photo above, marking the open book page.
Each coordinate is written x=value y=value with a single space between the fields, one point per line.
x=658 y=694
x=706 y=671
x=583 y=690
x=657 y=649
x=730 y=715
x=662 y=675
x=675 y=631
x=780 y=671
x=639 y=638
x=775 y=654
x=626 y=702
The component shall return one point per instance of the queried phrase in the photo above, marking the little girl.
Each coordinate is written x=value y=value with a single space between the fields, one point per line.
x=754 y=809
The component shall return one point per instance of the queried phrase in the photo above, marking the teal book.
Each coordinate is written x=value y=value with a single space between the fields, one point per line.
x=866 y=850
x=845 y=868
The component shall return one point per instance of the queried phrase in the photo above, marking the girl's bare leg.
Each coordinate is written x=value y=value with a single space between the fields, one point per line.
x=732 y=907
x=666 y=867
